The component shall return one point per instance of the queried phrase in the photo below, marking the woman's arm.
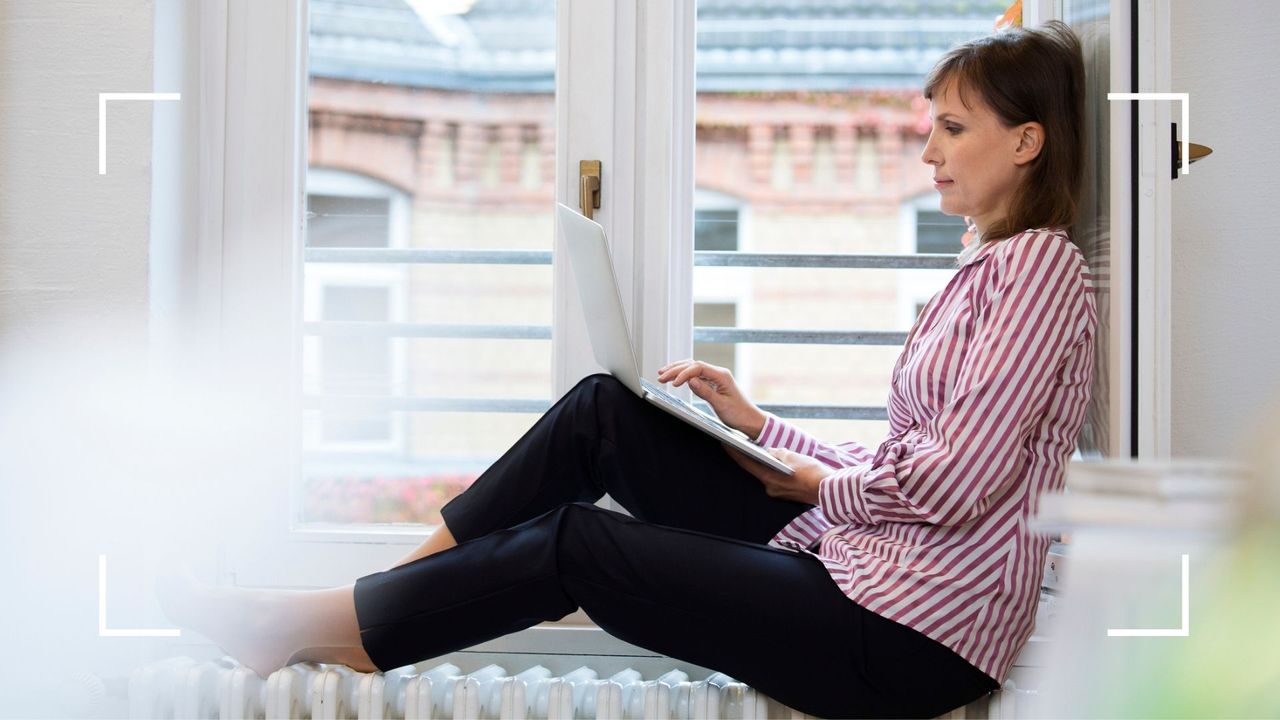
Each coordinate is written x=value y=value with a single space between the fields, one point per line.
x=964 y=456
x=778 y=433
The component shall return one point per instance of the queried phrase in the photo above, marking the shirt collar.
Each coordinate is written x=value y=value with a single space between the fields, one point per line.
x=981 y=253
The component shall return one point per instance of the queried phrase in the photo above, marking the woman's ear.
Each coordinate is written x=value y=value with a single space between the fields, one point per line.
x=1030 y=143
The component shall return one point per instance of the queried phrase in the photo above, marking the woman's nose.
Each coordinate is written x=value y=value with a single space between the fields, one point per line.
x=929 y=155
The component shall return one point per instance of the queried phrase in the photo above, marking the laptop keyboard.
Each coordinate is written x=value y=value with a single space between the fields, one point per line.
x=700 y=416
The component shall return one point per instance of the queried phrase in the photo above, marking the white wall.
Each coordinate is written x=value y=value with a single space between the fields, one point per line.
x=1226 y=225
x=73 y=244
x=73 y=257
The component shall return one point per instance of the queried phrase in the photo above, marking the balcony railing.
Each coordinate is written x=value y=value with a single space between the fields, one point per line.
x=788 y=336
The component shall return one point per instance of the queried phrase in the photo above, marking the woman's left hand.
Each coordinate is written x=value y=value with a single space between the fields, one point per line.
x=800 y=487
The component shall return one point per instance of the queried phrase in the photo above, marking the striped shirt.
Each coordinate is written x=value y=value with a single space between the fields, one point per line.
x=930 y=529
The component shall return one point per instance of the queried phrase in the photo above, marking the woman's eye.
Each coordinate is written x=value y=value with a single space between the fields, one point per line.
x=953 y=129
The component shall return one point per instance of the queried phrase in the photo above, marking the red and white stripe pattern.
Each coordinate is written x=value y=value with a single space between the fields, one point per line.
x=987 y=397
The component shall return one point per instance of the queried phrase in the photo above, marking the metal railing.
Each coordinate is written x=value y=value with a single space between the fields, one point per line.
x=834 y=261
x=789 y=336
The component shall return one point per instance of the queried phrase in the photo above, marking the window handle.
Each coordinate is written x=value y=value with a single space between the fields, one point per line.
x=589 y=186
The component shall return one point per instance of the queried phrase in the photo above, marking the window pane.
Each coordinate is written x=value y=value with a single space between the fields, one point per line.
x=335 y=221
x=356 y=368
x=432 y=127
x=715 y=230
x=355 y=303
x=810 y=118
x=938 y=233
x=716 y=315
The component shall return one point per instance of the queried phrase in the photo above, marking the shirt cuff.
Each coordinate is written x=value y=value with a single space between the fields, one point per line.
x=837 y=504
x=769 y=420
x=778 y=433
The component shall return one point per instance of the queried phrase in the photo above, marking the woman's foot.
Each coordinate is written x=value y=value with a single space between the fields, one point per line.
x=244 y=623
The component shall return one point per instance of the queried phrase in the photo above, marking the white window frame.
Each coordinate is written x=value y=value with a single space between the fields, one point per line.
x=644 y=135
x=1155 y=269
x=1140 y=326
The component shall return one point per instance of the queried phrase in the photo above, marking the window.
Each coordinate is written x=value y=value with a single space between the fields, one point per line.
x=711 y=316
x=937 y=232
x=924 y=228
x=721 y=299
x=350 y=211
x=435 y=343
x=715 y=230
x=362 y=368
x=339 y=221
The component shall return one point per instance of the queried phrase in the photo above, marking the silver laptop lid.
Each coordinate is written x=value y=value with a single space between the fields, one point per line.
x=601 y=299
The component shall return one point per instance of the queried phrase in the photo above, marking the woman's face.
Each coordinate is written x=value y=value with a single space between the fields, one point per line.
x=977 y=161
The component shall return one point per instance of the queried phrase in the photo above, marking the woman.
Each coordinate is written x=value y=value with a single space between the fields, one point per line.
x=905 y=575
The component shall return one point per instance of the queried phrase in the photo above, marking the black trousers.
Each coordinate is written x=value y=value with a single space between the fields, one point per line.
x=689 y=576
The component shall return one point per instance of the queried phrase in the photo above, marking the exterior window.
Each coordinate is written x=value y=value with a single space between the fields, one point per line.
x=337 y=221
x=428 y=261
x=715 y=230
x=347 y=211
x=810 y=118
x=359 y=368
x=709 y=314
x=721 y=296
x=937 y=232
x=924 y=229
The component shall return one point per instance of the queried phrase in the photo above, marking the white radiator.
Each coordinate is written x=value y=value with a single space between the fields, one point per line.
x=184 y=688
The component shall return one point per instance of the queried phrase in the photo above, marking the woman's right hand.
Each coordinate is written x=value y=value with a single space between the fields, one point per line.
x=715 y=385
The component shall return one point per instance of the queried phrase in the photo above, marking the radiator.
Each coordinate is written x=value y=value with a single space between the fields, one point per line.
x=184 y=688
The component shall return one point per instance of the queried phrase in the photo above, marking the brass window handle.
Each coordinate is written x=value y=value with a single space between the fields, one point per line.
x=589 y=186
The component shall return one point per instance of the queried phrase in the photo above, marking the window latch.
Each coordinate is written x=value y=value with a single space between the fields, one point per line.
x=589 y=186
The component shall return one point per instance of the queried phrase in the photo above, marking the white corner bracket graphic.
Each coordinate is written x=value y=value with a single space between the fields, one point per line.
x=1185 y=150
x=102 y=117
x=103 y=630
x=1183 y=631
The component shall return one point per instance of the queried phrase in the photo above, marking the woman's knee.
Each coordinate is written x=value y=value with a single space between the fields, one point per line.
x=573 y=516
x=600 y=383
x=601 y=391
x=578 y=529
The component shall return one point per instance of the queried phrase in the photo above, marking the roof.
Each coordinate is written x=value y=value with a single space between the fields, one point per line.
x=743 y=45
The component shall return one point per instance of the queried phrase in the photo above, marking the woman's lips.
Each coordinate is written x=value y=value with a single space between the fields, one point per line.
x=939 y=184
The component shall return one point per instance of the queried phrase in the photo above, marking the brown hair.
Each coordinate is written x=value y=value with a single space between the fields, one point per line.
x=1028 y=75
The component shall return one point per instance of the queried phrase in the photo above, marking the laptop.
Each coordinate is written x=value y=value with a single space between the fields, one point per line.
x=611 y=342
